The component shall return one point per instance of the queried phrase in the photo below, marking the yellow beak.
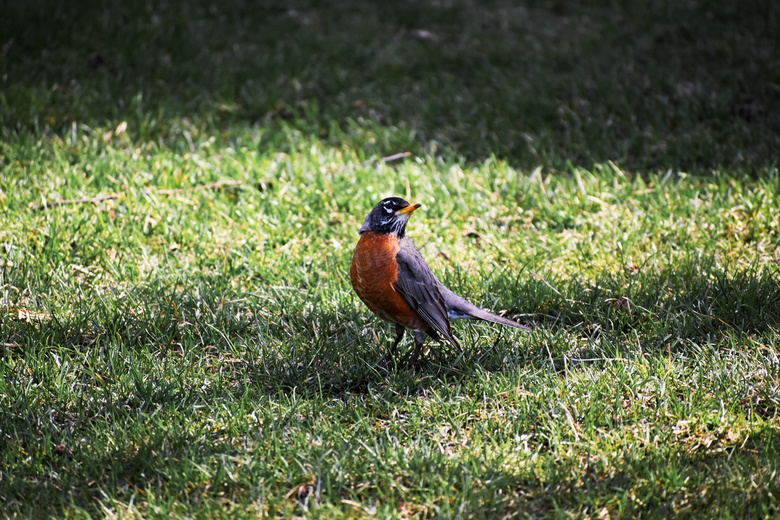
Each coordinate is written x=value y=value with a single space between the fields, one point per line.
x=408 y=209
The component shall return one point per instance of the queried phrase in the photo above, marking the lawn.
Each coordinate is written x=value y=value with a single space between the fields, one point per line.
x=181 y=187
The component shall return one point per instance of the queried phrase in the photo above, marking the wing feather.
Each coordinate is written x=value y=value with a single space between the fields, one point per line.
x=420 y=289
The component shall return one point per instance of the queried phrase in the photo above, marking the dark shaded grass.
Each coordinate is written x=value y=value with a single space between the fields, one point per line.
x=649 y=85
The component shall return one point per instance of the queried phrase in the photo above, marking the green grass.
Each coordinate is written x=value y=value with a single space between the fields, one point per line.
x=190 y=346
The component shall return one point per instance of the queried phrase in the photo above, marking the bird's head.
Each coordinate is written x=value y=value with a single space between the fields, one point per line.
x=389 y=216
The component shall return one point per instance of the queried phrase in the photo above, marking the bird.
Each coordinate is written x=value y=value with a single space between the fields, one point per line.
x=391 y=277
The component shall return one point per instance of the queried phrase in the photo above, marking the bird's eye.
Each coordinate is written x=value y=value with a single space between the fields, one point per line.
x=389 y=209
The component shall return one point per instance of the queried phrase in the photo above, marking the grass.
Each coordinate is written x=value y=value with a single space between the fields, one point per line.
x=189 y=345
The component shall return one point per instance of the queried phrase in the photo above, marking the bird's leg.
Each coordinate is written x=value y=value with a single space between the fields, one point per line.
x=418 y=343
x=399 y=334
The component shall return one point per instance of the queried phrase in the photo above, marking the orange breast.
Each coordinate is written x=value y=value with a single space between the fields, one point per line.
x=373 y=273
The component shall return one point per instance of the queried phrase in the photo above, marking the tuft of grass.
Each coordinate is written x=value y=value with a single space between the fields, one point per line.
x=180 y=190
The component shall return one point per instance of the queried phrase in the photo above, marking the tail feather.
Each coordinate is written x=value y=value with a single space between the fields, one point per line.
x=482 y=314
x=458 y=308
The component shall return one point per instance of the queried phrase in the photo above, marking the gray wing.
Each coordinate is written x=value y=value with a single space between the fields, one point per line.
x=458 y=308
x=420 y=289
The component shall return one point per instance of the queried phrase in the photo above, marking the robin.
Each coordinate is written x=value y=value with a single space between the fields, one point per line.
x=392 y=278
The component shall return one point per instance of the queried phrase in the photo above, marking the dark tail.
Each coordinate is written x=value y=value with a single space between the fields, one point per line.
x=458 y=308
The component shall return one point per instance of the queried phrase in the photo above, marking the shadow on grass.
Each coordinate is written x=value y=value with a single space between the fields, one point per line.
x=649 y=85
x=299 y=340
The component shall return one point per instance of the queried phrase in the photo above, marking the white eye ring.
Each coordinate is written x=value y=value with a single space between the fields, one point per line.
x=389 y=210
